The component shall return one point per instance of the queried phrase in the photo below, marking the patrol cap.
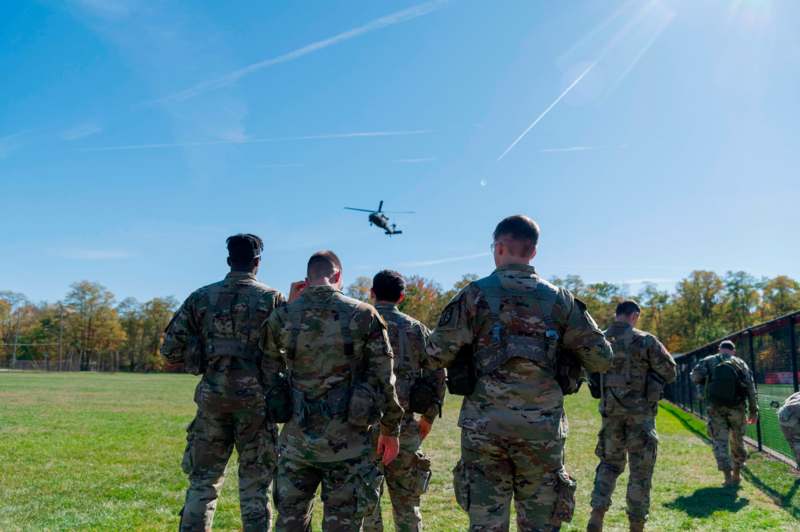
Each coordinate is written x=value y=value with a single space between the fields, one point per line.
x=727 y=344
x=244 y=247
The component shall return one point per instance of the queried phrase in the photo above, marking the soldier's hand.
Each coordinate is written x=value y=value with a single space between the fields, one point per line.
x=174 y=366
x=424 y=428
x=296 y=290
x=751 y=420
x=388 y=448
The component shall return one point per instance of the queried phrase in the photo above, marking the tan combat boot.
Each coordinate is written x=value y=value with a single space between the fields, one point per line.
x=728 y=478
x=637 y=525
x=736 y=476
x=596 y=520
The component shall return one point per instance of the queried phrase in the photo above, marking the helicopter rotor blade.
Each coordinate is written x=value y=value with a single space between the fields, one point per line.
x=399 y=212
x=380 y=206
x=359 y=210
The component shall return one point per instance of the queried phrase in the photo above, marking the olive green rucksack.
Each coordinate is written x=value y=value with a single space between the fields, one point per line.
x=725 y=385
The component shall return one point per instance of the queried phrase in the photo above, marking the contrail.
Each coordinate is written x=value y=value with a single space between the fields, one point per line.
x=567 y=150
x=359 y=134
x=549 y=108
x=232 y=77
x=444 y=260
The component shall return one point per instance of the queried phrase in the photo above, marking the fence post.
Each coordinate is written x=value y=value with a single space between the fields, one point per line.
x=793 y=351
x=754 y=369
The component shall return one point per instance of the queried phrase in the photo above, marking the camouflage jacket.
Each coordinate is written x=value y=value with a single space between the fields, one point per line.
x=637 y=356
x=409 y=352
x=703 y=370
x=220 y=323
x=789 y=413
x=521 y=398
x=321 y=368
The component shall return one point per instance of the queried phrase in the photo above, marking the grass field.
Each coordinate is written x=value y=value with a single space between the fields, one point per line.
x=102 y=452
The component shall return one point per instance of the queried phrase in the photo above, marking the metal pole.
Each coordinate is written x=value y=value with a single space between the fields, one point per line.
x=754 y=370
x=60 y=333
x=16 y=341
x=793 y=352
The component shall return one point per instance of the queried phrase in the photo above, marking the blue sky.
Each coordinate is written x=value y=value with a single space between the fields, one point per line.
x=136 y=135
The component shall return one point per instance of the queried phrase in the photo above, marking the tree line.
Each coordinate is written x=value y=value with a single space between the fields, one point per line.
x=90 y=330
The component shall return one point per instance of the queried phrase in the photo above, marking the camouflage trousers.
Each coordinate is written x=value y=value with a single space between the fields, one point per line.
x=350 y=490
x=211 y=438
x=726 y=428
x=406 y=479
x=791 y=431
x=494 y=469
x=622 y=438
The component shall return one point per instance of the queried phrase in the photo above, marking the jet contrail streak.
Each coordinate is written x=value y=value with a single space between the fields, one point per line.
x=549 y=108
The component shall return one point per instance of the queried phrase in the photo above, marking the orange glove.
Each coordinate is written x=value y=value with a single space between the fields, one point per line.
x=425 y=427
x=174 y=366
x=388 y=448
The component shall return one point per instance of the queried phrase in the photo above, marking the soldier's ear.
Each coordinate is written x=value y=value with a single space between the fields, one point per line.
x=228 y=260
x=402 y=298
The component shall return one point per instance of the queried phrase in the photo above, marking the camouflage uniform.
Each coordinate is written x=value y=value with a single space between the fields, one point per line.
x=789 y=417
x=220 y=325
x=513 y=424
x=628 y=406
x=328 y=344
x=407 y=475
x=726 y=423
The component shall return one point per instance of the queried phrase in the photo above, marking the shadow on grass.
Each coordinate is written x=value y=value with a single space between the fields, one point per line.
x=706 y=501
x=784 y=500
x=691 y=424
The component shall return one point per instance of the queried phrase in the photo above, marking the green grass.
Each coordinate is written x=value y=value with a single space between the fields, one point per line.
x=102 y=452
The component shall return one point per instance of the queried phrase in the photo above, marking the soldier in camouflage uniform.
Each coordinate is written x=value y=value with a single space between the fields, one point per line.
x=407 y=477
x=513 y=425
x=628 y=405
x=215 y=333
x=336 y=355
x=789 y=418
x=727 y=423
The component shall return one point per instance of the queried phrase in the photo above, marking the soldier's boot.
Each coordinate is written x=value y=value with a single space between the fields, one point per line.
x=728 y=477
x=736 y=476
x=596 y=520
x=637 y=525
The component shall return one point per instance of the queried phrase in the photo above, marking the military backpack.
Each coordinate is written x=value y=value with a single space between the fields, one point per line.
x=725 y=385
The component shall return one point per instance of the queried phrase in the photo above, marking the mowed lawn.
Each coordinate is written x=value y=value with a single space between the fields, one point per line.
x=102 y=452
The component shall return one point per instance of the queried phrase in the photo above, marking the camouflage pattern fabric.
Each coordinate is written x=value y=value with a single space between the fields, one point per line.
x=789 y=418
x=318 y=445
x=628 y=411
x=222 y=321
x=726 y=424
x=350 y=490
x=520 y=401
x=493 y=469
x=405 y=475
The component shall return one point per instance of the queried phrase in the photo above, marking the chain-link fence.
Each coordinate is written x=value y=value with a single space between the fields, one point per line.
x=770 y=349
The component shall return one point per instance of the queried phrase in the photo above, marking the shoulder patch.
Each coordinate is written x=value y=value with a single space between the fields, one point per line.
x=447 y=314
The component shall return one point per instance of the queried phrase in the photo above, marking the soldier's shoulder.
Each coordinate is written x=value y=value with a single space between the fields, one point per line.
x=361 y=310
x=203 y=291
x=410 y=322
x=646 y=339
x=740 y=362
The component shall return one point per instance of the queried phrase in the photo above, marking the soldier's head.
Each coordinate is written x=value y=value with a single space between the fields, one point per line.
x=388 y=286
x=628 y=311
x=515 y=240
x=324 y=268
x=727 y=347
x=244 y=252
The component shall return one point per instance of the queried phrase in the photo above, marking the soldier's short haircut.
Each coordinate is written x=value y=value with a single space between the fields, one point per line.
x=727 y=344
x=323 y=264
x=519 y=228
x=388 y=285
x=628 y=307
x=243 y=248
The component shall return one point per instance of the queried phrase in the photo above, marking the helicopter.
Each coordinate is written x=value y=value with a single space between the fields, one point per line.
x=380 y=219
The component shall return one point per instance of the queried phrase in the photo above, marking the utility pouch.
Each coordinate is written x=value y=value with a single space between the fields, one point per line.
x=421 y=475
x=423 y=396
x=279 y=400
x=569 y=373
x=362 y=411
x=564 y=508
x=195 y=357
x=462 y=374
x=655 y=387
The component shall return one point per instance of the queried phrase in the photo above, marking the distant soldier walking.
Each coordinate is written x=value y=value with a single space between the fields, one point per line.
x=789 y=418
x=629 y=395
x=419 y=390
x=337 y=360
x=728 y=383
x=215 y=334
x=504 y=340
